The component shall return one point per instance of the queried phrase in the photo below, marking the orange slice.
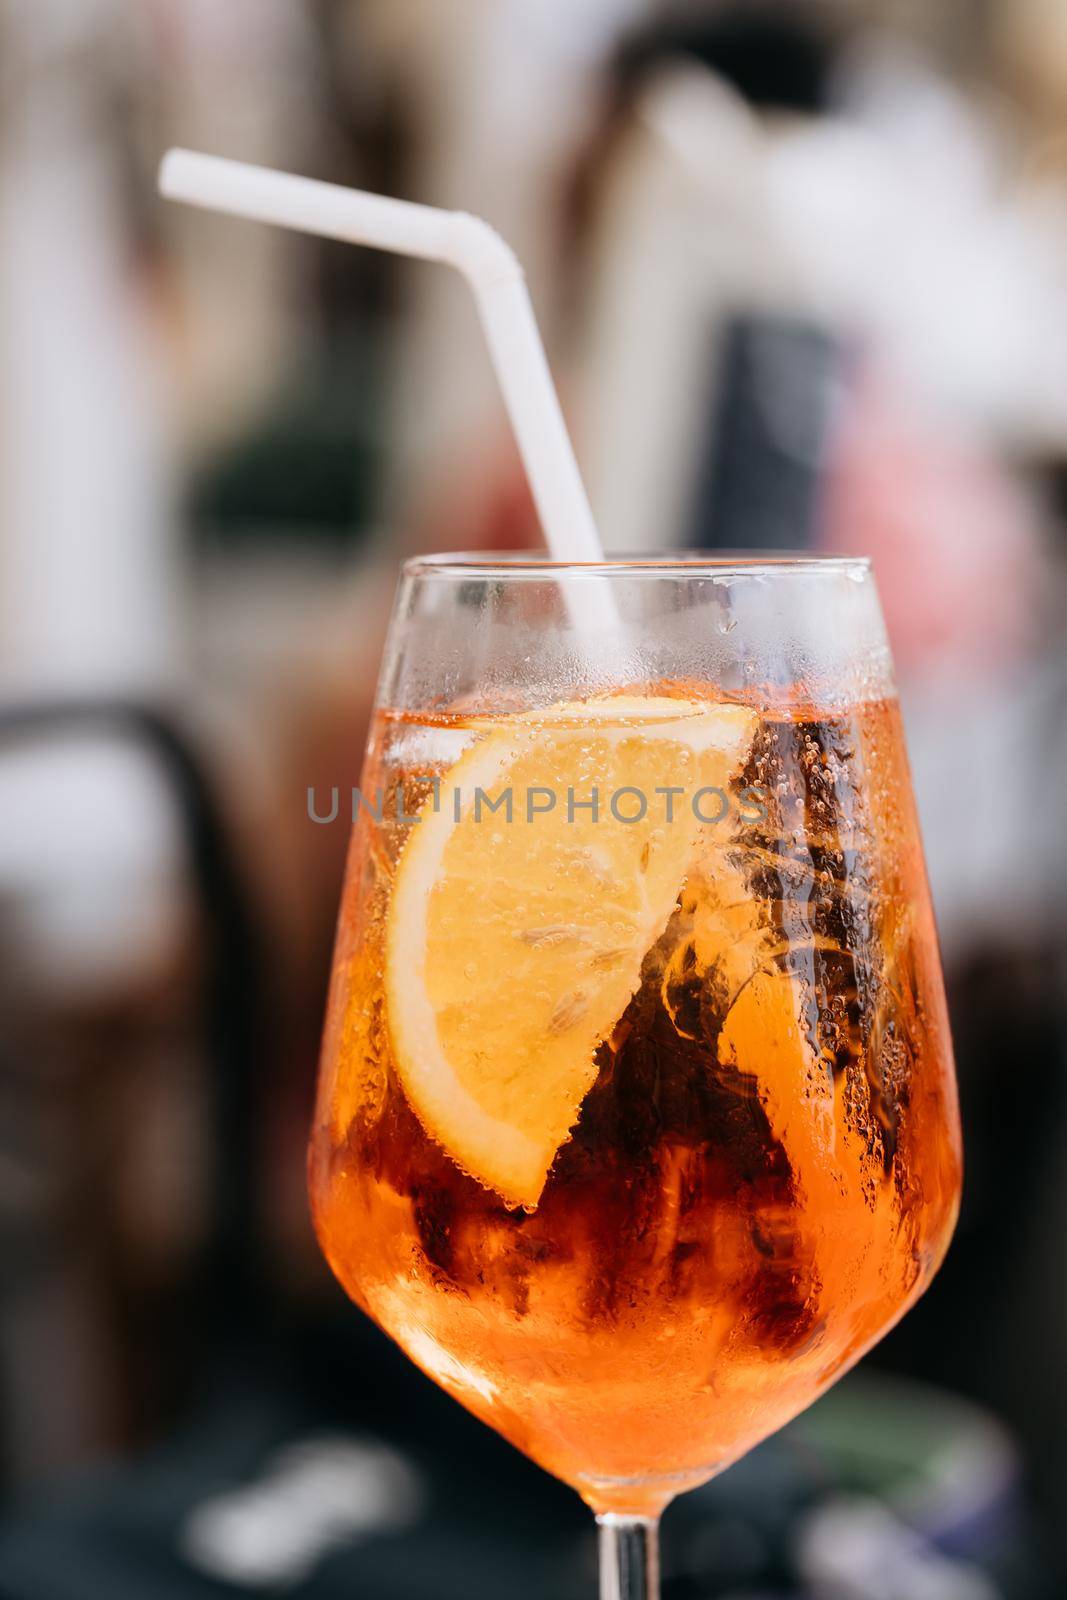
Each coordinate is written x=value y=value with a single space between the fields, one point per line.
x=516 y=935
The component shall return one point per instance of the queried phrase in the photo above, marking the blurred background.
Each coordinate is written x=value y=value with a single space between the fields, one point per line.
x=802 y=271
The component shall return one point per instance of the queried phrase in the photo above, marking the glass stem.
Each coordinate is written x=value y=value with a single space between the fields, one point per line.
x=629 y=1557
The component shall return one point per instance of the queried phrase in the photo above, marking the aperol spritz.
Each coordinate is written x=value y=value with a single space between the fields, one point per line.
x=637 y=1121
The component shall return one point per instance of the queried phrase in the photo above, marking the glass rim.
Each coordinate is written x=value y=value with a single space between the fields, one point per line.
x=682 y=563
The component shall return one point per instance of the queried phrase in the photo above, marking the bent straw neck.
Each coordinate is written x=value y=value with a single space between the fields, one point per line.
x=459 y=240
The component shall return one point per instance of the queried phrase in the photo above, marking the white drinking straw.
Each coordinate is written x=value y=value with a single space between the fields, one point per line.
x=493 y=272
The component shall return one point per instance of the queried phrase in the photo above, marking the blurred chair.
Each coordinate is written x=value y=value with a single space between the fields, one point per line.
x=61 y=1103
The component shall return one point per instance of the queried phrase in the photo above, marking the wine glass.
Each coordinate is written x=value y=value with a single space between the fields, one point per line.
x=637 y=1121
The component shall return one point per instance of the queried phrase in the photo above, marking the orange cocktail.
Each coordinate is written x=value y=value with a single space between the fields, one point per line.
x=637 y=1122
